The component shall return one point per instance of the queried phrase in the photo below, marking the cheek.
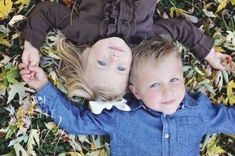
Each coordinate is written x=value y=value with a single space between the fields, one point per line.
x=180 y=89
x=151 y=97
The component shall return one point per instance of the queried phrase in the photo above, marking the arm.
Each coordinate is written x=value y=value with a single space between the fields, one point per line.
x=186 y=33
x=74 y=119
x=45 y=16
x=219 y=118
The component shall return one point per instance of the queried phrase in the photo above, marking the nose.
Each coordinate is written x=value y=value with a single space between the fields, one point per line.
x=116 y=55
x=167 y=91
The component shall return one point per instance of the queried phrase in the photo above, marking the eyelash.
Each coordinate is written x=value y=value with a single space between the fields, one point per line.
x=157 y=84
x=102 y=63
x=120 y=68
x=154 y=85
x=174 y=79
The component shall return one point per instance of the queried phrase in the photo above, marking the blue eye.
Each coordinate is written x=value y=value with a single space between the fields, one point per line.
x=102 y=63
x=174 y=79
x=121 y=68
x=155 y=85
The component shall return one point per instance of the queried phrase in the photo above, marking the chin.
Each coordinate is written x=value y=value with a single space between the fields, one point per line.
x=169 y=112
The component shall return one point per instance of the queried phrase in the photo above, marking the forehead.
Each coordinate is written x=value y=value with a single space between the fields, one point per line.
x=169 y=65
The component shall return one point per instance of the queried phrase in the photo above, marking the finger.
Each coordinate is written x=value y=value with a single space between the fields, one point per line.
x=228 y=59
x=24 y=71
x=22 y=66
x=219 y=66
x=25 y=77
x=32 y=74
x=225 y=57
x=35 y=68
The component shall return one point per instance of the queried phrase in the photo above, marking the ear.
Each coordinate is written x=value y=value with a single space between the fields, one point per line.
x=134 y=91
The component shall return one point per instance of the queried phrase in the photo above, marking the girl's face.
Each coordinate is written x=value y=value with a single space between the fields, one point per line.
x=107 y=64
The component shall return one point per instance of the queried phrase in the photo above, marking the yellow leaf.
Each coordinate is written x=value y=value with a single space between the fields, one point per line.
x=23 y=2
x=177 y=11
x=207 y=6
x=6 y=8
x=233 y=2
x=230 y=92
x=222 y=5
x=219 y=49
x=172 y=10
x=5 y=42
x=50 y=125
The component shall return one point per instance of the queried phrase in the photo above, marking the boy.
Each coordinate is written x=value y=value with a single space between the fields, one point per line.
x=164 y=119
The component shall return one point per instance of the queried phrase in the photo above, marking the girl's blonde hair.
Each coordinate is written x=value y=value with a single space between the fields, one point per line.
x=73 y=70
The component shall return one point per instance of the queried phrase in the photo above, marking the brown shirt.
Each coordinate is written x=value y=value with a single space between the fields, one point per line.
x=132 y=19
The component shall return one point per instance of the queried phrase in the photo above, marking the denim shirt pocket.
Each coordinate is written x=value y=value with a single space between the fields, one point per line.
x=189 y=130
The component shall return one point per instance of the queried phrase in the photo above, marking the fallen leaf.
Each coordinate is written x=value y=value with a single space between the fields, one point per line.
x=19 y=150
x=12 y=74
x=231 y=92
x=16 y=88
x=15 y=19
x=5 y=60
x=6 y=8
x=33 y=140
x=209 y=13
x=222 y=5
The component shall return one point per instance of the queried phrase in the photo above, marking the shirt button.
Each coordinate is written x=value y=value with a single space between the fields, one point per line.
x=39 y=99
x=166 y=135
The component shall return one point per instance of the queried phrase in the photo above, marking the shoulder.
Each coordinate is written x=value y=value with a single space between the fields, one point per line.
x=197 y=99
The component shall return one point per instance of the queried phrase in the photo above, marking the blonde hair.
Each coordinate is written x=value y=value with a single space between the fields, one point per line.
x=73 y=70
x=153 y=50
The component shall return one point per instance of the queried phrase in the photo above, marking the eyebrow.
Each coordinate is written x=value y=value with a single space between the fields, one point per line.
x=114 y=48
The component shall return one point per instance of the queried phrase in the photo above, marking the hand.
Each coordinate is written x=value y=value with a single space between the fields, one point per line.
x=30 y=54
x=215 y=59
x=34 y=76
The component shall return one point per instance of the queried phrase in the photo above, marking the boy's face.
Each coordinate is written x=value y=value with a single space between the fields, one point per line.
x=108 y=64
x=161 y=87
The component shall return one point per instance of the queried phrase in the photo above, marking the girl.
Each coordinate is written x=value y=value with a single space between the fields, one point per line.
x=131 y=20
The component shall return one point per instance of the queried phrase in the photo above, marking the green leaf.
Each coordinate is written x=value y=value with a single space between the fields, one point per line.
x=12 y=74
x=18 y=140
x=12 y=129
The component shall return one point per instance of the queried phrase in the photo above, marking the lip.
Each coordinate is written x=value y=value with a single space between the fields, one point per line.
x=116 y=48
x=169 y=102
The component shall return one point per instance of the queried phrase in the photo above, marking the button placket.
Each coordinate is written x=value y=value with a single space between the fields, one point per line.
x=165 y=135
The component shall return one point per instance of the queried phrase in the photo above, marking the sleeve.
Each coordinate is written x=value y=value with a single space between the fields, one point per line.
x=186 y=33
x=47 y=15
x=75 y=119
x=219 y=118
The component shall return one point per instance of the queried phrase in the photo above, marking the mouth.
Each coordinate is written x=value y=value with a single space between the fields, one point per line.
x=116 y=48
x=168 y=102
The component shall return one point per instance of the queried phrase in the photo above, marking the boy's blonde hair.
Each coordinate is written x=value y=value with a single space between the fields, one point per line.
x=151 y=51
x=73 y=70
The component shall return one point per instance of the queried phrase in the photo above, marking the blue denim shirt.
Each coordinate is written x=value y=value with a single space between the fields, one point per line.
x=142 y=131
